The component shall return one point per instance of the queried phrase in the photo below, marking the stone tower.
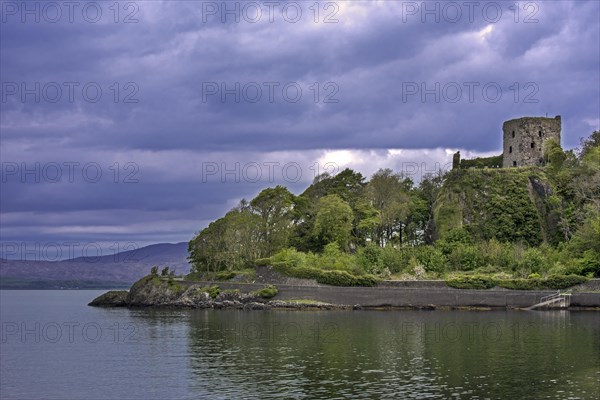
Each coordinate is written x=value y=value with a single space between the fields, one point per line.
x=524 y=140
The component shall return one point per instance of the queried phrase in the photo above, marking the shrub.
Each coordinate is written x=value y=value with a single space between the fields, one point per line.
x=326 y=277
x=193 y=276
x=521 y=284
x=532 y=262
x=393 y=259
x=465 y=257
x=261 y=262
x=452 y=238
x=299 y=272
x=471 y=282
x=266 y=292
x=343 y=278
x=225 y=276
x=290 y=256
x=175 y=286
x=369 y=258
x=589 y=264
x=213 y=291
x=564 y=281
x=482 y=282
x=433 y=259
x=336 y=278
x=366 y=280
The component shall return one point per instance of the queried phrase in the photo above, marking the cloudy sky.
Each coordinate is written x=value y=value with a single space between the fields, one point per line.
x=141 y=122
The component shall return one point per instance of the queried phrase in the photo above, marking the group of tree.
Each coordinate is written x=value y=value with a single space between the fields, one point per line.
x=391 y=213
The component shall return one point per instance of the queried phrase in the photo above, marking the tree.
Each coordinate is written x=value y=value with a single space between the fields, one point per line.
x=348 y=185
x=554 y=154
x=228 y=243
x=333 y=222
x=388 y=194
x=274 y=207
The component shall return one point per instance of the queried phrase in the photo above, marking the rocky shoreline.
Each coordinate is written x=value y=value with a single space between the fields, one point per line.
x=153 y=291
x=156 y=293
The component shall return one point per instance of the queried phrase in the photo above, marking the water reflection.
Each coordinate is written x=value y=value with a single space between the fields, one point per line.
x=212 y=354
x=394 y=354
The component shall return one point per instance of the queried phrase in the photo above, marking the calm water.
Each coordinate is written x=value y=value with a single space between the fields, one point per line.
x=55 y=347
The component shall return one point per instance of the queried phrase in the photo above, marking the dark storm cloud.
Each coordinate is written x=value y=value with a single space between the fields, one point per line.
x=155 y=110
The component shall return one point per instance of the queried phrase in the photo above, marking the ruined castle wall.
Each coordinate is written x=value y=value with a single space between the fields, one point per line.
x=524 y=140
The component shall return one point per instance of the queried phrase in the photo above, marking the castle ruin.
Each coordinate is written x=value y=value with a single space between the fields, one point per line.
x=524 y=140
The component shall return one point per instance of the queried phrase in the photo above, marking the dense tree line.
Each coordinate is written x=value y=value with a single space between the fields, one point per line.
x=461 y=220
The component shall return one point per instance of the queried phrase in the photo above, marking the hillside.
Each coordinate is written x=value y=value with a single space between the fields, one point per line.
x=510 y=205
x=524 y=222
x=117 y=269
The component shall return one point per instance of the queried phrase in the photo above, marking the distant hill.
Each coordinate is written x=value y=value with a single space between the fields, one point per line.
x=119 y=269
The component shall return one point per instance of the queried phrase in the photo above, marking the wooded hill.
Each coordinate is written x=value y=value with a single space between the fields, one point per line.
x=515 y=222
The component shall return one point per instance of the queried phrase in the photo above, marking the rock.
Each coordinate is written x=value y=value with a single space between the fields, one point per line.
x=256 y=306
x=152 y=291
x=113 y=298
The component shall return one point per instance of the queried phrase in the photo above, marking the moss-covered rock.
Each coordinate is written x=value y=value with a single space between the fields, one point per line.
x=153 y=291
x=511 y=205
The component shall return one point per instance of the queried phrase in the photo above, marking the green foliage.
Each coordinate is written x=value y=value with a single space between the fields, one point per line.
x=531 y=262
x=465 y=257
x=293 y=258
x=343 y=278
x=394 y=260
x=260 y=262
x=348 y=185
x=521 y=284
x=164 y=271
x=433 y=260
x=454 y=237
x=154 y=270
x=326 y=277
x=534 y=283
x=333 y=223
x=589 y=264
x=564 y=281
x=369 y=258
x=225 y=275
x=213 y=291
x=175 y=286
x=333 y=258
x=389 y=195
x=483 y=162
x=584 y=247
x=492 y=204
x=554 y=154
x=530 y=222
x=193 y=276
x=274 y=207
x=227 y=244
x=267 y=292
x=471 y=282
